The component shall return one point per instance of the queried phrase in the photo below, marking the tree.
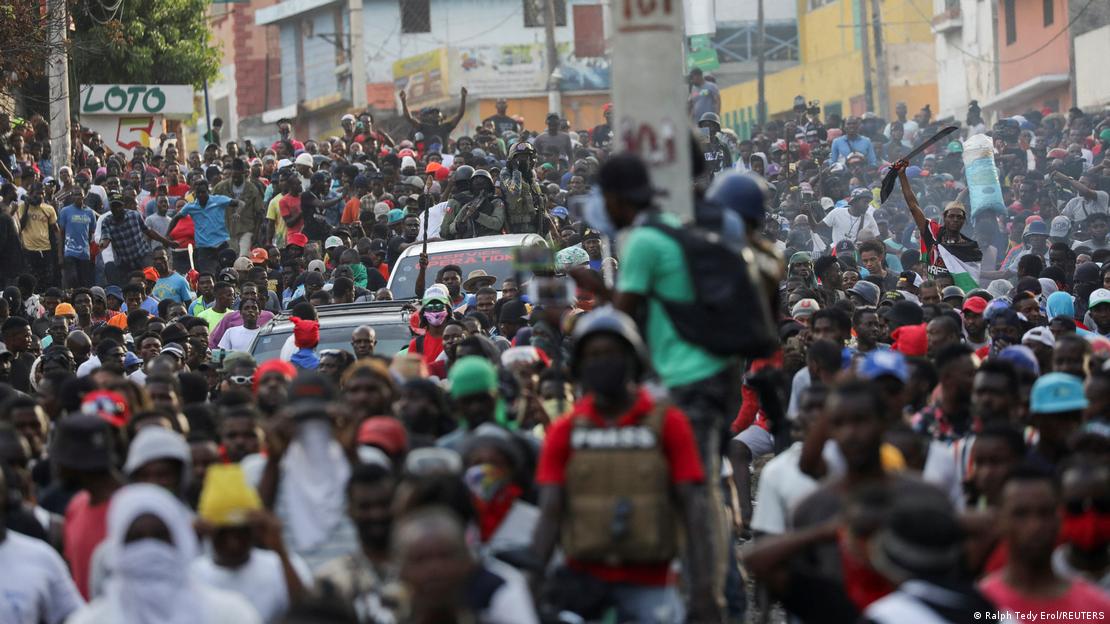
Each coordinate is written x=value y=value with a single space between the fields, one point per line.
x=144 y=42
x=23 y=43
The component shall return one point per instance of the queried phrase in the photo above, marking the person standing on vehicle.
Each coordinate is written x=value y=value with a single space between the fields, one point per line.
x=653 y=477
x=484 y=215
x=522 y=191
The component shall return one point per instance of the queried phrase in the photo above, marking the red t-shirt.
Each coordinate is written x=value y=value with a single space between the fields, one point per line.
x=178 y=190
x=290 y=206
x=678 y=446
x=85 y=527
x=433 y=346
x=1082 y=596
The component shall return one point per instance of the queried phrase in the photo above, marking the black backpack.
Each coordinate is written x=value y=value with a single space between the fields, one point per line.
x=725 y=287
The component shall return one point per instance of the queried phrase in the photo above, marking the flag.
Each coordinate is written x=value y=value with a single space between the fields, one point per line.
x=965 y=272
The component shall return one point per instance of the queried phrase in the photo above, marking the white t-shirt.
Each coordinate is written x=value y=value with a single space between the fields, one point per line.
x=36 y=586
x=781 y=485
x=939 y=470
x=1079 y=207
x=215 y=606
x=106 y=254
x=845 y=226
x=261 y=581
x=238 y=338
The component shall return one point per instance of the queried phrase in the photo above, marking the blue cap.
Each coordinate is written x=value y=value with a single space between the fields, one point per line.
x=1022 y=357
x=559 y=211
x=884 y=364
x=1057 y=392
x=131 y=360
x=1036 y=228
x=396 y=216
x=114 y=291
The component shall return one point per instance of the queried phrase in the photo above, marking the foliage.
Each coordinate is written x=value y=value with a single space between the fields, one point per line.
x=145 y=42
x=23 y=40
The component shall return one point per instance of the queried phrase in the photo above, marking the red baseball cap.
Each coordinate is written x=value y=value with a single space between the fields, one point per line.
x=108 y=406
x=384 y=432
x=259 y=255
x=975 y=304
x=296 y=238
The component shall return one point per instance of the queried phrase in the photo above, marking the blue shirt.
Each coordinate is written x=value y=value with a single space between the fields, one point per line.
x=211 y=228
x=77 y=225
x=174 y=286
x=842 y=147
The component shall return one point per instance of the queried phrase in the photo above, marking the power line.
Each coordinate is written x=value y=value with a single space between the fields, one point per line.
x=1013 y=60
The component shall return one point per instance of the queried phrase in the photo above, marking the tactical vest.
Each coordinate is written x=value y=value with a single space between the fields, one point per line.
x=522 y=205
x=618 y=492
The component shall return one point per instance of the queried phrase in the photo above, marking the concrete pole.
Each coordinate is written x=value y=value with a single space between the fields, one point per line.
x=554 y=96
x=57 y=72
x=650 y=95
x=865 y=55
x=761 y=72
x=884 y=110
x=357 y=56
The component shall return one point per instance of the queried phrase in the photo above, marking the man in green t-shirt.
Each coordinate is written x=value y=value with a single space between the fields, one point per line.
x=653 y=269
x=225 y=295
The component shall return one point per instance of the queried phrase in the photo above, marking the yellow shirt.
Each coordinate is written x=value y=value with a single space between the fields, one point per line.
x=35 y=236
x=273 y=213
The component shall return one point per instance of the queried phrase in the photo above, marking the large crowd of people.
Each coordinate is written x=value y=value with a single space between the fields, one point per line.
x=811 y=397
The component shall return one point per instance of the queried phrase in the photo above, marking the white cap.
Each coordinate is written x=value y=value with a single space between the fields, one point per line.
x=333 y=241
x=284 y=162
x=318 y=266
x=408 y=162
x=304 y=159
x=1042 y=335
x=347 y=117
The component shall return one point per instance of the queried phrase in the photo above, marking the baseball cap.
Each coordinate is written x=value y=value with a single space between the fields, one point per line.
x=1060 y=227
x=304 y=159
x=228 y=275
x=1036 y=228
x=309 y=393
x=883 y=363
x=559 y=211
x=396 y=216
x=952 y=292
x=1100 y=295
x=1055 y=393
x=975 y=304
x=805 y=308
x=317 y=265
x=259 y=255
x=152 y=443
x=911 y=339
x=243 y=263
x=227 y=499
x=867 y=291
x=1042 y=335
x=174 y=349
x=297 y=239
x=860 y=192
x=384 y=432
x=108 y=406
x=64 y=309
x=333 y=241
x=114 y=291
x=1021 y=357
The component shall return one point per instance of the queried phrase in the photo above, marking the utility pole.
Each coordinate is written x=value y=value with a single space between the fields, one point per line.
x=865 y=54
x=57 y=71
x=761 y=103
x=650 y=95
x=357 y=56
x=554 y=96
x=880 y=60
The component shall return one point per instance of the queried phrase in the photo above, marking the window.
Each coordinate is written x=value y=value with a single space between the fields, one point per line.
x=1011 y=21
x=416 y=16
x=816 y=4
x=1049 y=13
x=535 y=10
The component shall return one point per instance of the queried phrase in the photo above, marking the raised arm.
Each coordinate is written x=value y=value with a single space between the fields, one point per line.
x=1082 y=189
x=462 y=110
x=911 y=200
x=405 y=110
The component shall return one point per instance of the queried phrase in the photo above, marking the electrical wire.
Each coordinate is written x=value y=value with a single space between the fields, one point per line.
x=1019 y=59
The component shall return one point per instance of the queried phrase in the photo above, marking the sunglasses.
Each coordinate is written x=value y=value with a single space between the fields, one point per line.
x=240 y=380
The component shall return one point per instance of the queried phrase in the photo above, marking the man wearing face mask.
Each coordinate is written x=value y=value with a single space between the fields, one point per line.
x=303 y=478
x=358 y=578
x=522 y=190
x=435 y=308
x=622 y=531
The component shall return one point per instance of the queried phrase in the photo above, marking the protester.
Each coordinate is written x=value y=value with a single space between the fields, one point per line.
x=251 y=343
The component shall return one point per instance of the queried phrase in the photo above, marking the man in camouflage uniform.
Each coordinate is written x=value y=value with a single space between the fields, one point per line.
x=524 y=196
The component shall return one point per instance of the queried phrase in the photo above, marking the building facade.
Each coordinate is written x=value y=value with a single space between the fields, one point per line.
x=966 y=50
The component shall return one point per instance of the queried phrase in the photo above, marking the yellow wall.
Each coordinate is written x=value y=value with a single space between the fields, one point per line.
x=831 y=67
